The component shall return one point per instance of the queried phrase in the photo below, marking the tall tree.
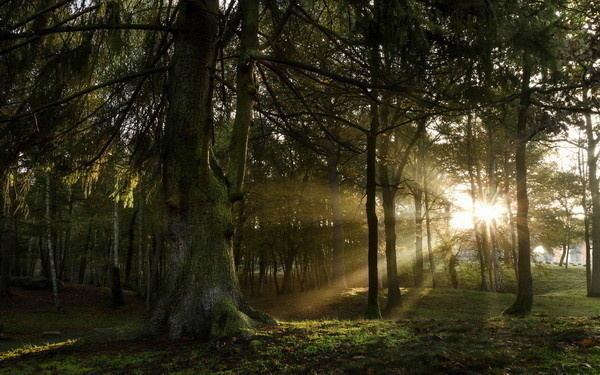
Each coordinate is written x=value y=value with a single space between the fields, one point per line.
x=200 y=295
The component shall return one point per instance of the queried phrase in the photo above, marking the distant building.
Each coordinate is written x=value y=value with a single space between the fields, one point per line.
x=576 y=255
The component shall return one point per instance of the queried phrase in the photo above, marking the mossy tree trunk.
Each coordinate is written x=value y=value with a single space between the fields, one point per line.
x=200 y=295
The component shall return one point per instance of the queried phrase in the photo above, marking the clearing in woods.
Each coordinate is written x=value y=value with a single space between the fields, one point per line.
x=436 y=331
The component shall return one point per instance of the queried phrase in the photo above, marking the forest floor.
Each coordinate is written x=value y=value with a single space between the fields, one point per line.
x=321 y=332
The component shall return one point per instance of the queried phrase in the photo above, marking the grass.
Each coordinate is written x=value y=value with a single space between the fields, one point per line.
x=436 y=331
x=492 y=345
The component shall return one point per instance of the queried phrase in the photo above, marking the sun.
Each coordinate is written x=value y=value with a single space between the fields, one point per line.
x=465 y=219
x=487 y=212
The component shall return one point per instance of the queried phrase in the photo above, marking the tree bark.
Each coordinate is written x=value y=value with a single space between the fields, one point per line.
x=130 y=248
x=524 y=300
x=563 y=255
x=586 y=219
x=510 y=219
x=373 y=311
x=428 y=232
x=200 y=295
x=53 y=277
x=388 y=194
x=472 y=167
x=592 y=160
x=115 y=273
x=418 y=266
x=339 y=259
x=9 y=243
x=83 y=260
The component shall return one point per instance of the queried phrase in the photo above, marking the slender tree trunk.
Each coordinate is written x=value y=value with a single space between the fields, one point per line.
x=94 y=277
x=200 y=294
x=115 y=273
x=130 y=248
x=141 y=252
x=8 y=237
x=490 y=225
x=479 y=241
x=53 y=277
x=388 y=194
x=9 y=243
x=510 y=219
x=84 y=257
x=66 y=261
x=524 y=300
x=498 y=276
x=373 y=311
x=452 y=263
x=418 y=266
x=563 y=255
x=588 y=252
x=427 y=207
x=592 y=160
x=153 y=265
x=32 y=257
x=586 y=219
x=339 y=261
x=428 y=230
x=262 y=274
x=389 y=218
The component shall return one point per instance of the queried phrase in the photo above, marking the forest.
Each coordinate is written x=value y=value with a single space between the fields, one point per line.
x=299 y=186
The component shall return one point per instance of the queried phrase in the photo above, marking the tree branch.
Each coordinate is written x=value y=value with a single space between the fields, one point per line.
x=84 y=92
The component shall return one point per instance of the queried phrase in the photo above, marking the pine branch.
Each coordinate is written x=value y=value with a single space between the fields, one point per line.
x=83 y=92
x=77 y=28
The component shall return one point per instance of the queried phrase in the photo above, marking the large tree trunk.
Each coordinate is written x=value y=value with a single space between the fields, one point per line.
x=592 y=160
x=200 y=295
x=524 y=300
x=339 y=261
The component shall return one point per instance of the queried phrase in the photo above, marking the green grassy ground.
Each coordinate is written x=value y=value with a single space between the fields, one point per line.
x=436 y=331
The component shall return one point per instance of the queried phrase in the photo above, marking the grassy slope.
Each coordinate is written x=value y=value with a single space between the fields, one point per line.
x=437 y=331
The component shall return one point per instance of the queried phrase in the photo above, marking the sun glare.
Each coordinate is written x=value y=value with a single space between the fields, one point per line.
x=461 y=220
x=483 y=212
x=486 y=212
